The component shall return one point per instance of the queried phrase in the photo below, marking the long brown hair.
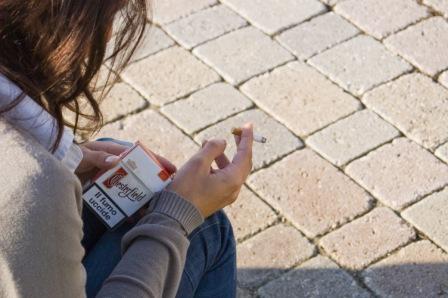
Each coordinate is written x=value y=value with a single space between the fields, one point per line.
x=53 y=49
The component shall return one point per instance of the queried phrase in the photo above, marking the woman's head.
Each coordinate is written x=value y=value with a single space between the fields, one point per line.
x=53 y=49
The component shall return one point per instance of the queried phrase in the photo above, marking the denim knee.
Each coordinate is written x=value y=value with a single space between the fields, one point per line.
x=216 y=239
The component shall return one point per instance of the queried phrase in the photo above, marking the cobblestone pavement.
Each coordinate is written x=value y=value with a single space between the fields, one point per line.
x=349 y=197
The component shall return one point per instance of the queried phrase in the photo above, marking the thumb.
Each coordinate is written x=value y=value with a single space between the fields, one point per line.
x=100 y=159
x=212 y=149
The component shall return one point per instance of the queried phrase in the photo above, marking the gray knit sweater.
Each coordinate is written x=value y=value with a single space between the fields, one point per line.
x=41 y=231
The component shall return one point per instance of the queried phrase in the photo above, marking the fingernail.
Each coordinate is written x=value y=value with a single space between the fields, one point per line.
x=248 y=125
x=112 y=159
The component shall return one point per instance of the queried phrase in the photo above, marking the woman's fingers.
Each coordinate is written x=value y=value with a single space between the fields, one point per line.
x=211 y=150
x=237 y=140
x=222 y=161
x=241 y=164
x=243 y=156
x=108 y=147
x=97 y=159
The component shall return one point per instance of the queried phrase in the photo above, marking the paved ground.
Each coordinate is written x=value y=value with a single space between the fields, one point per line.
x=348 y=197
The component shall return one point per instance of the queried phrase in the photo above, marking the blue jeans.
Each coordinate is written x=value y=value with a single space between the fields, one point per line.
x=210 y=268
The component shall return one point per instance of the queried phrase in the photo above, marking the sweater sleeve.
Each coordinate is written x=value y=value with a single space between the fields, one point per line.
x=154 y=251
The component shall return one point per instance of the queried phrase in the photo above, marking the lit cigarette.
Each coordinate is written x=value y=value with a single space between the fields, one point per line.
x=257 y=138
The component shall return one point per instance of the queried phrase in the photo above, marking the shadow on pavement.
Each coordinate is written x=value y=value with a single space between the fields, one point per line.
x=403 y=280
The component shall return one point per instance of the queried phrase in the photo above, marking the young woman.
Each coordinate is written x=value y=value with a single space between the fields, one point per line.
x=183 y=245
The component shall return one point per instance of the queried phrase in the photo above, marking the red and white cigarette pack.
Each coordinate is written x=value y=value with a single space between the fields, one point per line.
x=121 y=191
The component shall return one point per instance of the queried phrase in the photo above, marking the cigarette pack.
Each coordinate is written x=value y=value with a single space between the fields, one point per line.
x=121 y=191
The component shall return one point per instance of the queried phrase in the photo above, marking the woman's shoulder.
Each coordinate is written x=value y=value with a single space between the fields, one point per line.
x=40 y=222
x=25 y=164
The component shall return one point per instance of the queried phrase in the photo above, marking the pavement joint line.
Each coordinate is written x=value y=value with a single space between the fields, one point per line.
x=216 y=37
x=292 y=267
x=430 y=8
x=238 y=85
x=418 y=199
x=388 y=254
x=303 y=137
x=429 y=16
x=344 y=165
x=150 y=24
x=437 y=75
x=278 y=214
x=418 y=70
x=185 y=16
x=306 y=136
x=362 y=32
x=330 y=47
x=353 y=273
x=439 y=189
x=299 y=23
x=374 y=86
x=250 y=108
x=422 y=236
x=258 y=231
x=282 y=29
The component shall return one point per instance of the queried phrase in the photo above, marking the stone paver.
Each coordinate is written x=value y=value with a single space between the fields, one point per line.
x=318 y=277
x=121 y=100
x=152 y=130
x=165 y=11
x=323 y=32
x=367 y=239
x=414 y=104
x=249 y=214
x=206 y=107
x=244 y=293
x=439 y=5
x=332 y=2
x=423 y=44
x=268 y=254
x=431 y=217
x=204 y=25
x=299 y=97
x=352 y=137
x=104 y=78
x=399 y=173
x=443 y=79
x=418 y=270
x=242 y=54
x=154 y=41
x=310 y=192
x=272 y=16
x=442 y=152
x=168 y=75
x=381 y=18
x=360 y=64
x=280 y=140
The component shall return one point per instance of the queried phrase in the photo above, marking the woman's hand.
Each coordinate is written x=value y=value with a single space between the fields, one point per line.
x=104 y=156
x=211 y=190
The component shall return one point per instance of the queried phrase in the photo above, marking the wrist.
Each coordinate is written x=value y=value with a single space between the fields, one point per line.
x=176 y=207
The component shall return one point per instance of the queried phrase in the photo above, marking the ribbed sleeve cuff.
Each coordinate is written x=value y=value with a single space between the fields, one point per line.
x=174 y=206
